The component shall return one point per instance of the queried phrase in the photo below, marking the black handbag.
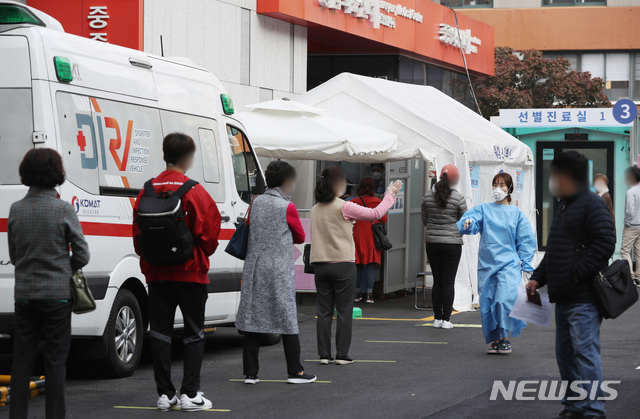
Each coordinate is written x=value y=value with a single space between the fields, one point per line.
x=380 y=239
x=306 y=258
x=239 y=242
x=613 y=285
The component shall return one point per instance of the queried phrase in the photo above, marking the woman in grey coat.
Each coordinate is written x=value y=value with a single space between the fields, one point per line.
x=442 y=207
x=268 y=298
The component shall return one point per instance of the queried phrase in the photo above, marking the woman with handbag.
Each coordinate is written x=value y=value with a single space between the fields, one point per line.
x=268 y=295
x=442 y=208
x=333 y=255
x=368 y=256
x=41 y=228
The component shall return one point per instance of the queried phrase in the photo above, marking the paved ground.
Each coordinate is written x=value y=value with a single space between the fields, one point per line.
x=428 y=373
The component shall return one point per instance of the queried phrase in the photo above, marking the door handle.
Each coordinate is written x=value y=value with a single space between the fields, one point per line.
x=226 y=218
x=240 y=219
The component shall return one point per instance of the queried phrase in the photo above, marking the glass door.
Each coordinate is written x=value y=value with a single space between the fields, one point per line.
x=600 y=156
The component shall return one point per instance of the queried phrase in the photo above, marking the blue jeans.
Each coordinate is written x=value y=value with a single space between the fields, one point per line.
x=578 y=353
x=366 y=277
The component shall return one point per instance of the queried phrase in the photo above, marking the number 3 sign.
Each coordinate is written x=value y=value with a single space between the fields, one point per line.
x=625 y=111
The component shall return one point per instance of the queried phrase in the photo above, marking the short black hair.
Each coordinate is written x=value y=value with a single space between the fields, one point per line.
x=42 y=168
x=635 y=172
x=176 y=146
x=573 y=163
x=278 y=172
x=380 y=165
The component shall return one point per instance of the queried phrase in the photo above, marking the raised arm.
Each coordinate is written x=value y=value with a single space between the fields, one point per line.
x=471 y=221
x=353 y=212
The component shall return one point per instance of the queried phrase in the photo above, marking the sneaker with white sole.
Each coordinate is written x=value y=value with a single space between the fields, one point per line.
x=343 y=360
x=195 y=404
x=326 y=360
x=166 y=404
x=446 y=324
x=437 y=324
x=251 y=379
x=301 y=379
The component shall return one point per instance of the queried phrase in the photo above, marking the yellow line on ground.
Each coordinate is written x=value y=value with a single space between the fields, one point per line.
x=403 y=341
x=277 y=381
x=357 y=360
x=155 y=408
x=426 y=319
x=454 y=326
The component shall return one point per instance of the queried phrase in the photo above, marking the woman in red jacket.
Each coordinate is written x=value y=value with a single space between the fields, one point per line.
x=367 y=255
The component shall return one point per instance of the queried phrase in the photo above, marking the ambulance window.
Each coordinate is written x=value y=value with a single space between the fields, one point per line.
x=249 y=180
x=16 y=127
x=209 y=147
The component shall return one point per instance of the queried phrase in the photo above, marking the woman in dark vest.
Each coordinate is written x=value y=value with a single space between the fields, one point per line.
x=268 y=298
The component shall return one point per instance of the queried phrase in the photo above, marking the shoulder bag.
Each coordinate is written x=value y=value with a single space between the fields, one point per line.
x=306 y=258
x=239 y=242
x=613 y=285
x=83 y=301
x=380 y=239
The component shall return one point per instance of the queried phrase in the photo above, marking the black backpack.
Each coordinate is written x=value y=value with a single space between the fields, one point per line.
x=165 y=238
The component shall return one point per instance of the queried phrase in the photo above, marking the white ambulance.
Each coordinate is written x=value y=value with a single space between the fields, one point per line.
x=106 y=109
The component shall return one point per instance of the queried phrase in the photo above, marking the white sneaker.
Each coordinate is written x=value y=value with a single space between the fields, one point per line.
x=165 y=404
x=193 y=405
x=437 y=324
x=447 y=325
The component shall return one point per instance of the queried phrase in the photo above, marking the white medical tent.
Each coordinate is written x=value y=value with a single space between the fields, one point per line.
x=436 y=128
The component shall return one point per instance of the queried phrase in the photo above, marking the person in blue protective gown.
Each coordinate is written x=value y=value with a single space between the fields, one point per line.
x=507 y=246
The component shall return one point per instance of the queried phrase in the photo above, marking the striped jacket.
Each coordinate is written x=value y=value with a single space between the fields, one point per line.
x=41 y=229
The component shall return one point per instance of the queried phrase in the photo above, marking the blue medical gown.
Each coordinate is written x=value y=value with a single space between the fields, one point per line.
x=507 y=246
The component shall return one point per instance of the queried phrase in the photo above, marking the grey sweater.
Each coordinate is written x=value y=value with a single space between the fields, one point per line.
x=41 y=229
x=440 y=222
x=632 y=207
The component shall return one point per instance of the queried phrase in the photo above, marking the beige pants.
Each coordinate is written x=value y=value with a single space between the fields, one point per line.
x=631 y=240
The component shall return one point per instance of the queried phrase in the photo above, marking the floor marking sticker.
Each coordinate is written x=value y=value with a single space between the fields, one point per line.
x=357 y=360
x=404 y=341
x=454 y=326
x=155 y=408
x=277 y=381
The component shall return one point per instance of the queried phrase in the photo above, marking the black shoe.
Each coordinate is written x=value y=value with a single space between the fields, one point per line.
x=301 y=379
x=505 y=346
x=593 y=417
x=326 y=360
x=570 y=414
x=369 y=298
x=494 y=348
x=358 y=297
x=251 y=379
x=343 y=360
x=636 y=283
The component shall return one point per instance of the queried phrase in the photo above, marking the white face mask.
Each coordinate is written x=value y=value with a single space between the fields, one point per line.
x=376 y=175
x=499 y=195
x=600 y=187
x=553 y=189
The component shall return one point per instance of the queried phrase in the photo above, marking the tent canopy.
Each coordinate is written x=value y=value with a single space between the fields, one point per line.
x=292 y=130
x=430 y=125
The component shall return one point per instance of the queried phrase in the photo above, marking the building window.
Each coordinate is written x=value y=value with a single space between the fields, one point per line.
x=467 y=3
x=617 y=76
x=636 y=88
x=574 y=2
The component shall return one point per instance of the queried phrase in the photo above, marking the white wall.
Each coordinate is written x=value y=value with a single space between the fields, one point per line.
x=255 y=57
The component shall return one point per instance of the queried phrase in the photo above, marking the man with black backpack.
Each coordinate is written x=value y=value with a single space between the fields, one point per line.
x=175 y=230
x=582 y=217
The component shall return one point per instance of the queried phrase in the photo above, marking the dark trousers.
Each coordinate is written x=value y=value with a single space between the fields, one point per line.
x=291 y=345
x=164 y=297
x=336 y=288
x=444 y=260
x=366 y=277
x=52 y=322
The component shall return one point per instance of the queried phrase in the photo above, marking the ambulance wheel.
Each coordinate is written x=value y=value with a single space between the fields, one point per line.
x=125 y=331
x=383 y=297
x=269 y=339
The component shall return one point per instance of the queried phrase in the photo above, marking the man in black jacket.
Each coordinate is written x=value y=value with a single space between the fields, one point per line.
x=569 y=276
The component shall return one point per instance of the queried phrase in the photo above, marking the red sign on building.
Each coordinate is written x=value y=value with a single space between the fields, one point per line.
x=118 y=22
